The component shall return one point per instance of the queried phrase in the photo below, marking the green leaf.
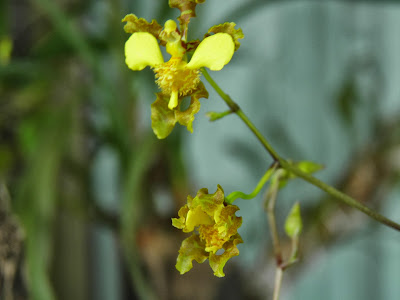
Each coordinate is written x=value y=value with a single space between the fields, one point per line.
x=218 y=262
x=191 y=249
x=213 y=115
x=293 y=224
x=228 y=28
x=309 y=167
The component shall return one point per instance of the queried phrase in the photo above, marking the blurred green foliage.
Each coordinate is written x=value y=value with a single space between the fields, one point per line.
x=65 y=94
x=67 y=97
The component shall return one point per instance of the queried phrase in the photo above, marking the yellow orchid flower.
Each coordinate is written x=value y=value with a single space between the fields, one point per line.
x=177 y=77
x=216 y=225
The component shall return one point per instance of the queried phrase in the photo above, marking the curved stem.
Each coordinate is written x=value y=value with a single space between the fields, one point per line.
x=238 y=194
x=284 y=164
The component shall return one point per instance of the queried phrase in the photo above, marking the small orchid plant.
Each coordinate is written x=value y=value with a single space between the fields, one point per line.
x=211 y=217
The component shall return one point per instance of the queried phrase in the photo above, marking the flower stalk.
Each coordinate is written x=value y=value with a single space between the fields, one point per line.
x=293 y=229
x=238 y=194
x=336 y=194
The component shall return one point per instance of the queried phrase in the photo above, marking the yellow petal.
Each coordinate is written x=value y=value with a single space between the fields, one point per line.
x=214 y=52
x=195 y=218
x=142 y=50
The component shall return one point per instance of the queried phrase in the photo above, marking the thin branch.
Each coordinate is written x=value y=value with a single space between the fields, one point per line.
x=289 y=167
x=278 y=283
x=236 y=109
x=269 y=206
x=238 y=194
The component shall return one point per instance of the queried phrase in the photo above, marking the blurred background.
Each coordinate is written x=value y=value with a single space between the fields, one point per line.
x=87 y=192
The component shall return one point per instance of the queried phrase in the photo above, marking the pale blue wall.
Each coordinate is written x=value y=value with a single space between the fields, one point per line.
x=286 y=76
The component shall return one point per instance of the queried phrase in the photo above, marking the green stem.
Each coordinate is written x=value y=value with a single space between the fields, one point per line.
x=340 y=196
x=236 y=109
x=238 y=194
x=269 y=206
x=284 y=164
x=278 y=283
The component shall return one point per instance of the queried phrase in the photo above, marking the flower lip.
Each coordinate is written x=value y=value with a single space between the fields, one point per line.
x=174 y=76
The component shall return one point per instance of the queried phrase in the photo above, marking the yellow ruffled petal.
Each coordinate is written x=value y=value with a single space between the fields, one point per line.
x=142 y=50
x=214 y=52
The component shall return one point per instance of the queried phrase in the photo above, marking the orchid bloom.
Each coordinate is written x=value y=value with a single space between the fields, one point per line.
x=177 y=77
x=216 y=228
